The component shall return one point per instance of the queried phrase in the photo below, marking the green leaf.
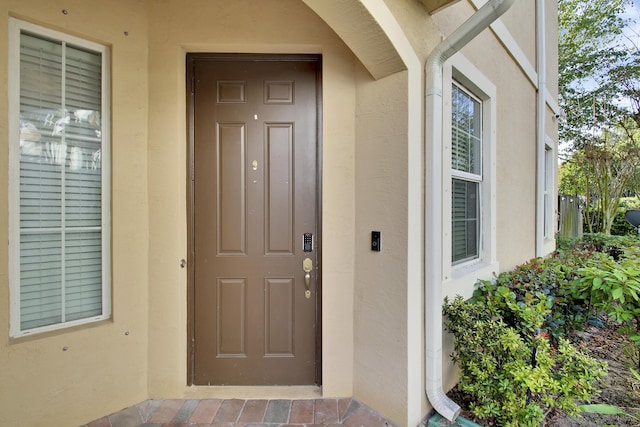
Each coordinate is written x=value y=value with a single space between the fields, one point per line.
x=597 y=282
x=602 y=408
x=617 y=293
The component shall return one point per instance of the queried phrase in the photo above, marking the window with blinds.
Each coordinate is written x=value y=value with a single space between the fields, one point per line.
x=59 y=181
x=466 y=172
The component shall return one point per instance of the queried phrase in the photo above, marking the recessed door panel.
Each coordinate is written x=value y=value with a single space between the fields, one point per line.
x=231 y=322
x=231 y=225
x=279 y=317
x=254 y=288
x=279 y=186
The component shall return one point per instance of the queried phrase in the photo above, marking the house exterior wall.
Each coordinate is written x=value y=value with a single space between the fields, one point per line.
x=278 y=26
x=506 y=57
x=381 y=277
x=551 y=18
x=372 y=309
x=516 y=125
x=103 y=369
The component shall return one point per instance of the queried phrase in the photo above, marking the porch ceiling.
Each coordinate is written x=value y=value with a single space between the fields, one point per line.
x=353 y=21
x=435 y=5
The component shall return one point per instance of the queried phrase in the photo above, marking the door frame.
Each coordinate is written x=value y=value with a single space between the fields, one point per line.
x=191 y=59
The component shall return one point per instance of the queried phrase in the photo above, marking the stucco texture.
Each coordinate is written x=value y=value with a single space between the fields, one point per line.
x=277 y=27
x=372 y=179
x=42 y=384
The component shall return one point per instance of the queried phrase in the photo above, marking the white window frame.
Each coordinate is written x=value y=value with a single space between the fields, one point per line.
x=546 y=193
x=15 y=28
x=471 y=177
x=461 y=277
x=549 y=189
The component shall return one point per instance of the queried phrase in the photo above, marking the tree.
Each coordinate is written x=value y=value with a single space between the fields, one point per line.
x=590 y=50
x=599 y=86
x=603 y=171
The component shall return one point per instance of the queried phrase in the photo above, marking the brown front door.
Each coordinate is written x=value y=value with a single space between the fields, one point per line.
x=254 y=196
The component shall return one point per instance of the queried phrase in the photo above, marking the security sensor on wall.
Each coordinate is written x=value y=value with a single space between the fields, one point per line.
x=560 y=115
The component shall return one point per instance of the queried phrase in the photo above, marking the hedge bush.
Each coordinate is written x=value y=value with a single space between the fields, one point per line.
x=516 y=379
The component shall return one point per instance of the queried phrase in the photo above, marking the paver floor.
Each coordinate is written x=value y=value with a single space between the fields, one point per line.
x=245 y=413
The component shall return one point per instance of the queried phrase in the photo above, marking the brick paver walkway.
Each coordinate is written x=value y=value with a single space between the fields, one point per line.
x=245 y=413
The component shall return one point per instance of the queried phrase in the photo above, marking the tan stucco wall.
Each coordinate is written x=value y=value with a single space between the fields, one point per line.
x=516 y=117
x=221 y=26
x=551 y=17
x=367 y=311
x=40 y=384
x=381 y=277
x=553 y=117
x=521 y=20
x=516 y=127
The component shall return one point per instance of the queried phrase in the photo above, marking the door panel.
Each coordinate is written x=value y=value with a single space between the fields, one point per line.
x=254 y=195
x=231 y=297
x=231 y=225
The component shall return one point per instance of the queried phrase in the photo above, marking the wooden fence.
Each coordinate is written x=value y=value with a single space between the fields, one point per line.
x=569 y=216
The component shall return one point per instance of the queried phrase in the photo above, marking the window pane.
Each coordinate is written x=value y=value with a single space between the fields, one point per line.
x=60 y=182
x=465 y=220
x=40 y=190
x=83 y=275
x=83 y=198
x=40 y=280
x=466 y=131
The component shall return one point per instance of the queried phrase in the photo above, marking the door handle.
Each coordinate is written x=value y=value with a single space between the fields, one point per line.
x=307 y=266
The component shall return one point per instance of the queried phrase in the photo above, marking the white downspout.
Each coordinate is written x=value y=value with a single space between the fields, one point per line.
x=541 y=125
x=480 y=20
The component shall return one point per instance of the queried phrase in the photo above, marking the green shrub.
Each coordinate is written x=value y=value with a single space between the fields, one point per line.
x=547 y=284
x=629 y=203
x=566 y=243
x=516 y=373
x=609 y=244
x=620 y=225
x=516 y=379
x=614 y=287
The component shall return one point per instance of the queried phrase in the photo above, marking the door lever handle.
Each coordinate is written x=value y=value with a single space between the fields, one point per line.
x=307 y=266
x=307 y=280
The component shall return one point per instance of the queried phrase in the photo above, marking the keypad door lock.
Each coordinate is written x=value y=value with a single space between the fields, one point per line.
x=307 y=242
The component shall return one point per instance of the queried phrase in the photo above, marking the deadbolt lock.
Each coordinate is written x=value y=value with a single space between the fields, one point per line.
x=307 y=265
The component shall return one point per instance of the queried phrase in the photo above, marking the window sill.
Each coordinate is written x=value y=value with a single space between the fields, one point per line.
x=61 y=328
x=549 y=246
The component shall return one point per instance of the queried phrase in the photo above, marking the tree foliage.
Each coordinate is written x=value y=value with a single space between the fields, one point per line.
x=598 y=71
x=599 y=88
x=603 y=172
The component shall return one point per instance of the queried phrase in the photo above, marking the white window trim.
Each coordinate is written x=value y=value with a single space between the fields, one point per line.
x=460 y=278
x=466 y=176
x=15 y=27
x=550 y=190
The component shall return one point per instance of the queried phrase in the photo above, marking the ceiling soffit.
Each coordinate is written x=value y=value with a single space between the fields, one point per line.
x=353 y=22
x=434 y=6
